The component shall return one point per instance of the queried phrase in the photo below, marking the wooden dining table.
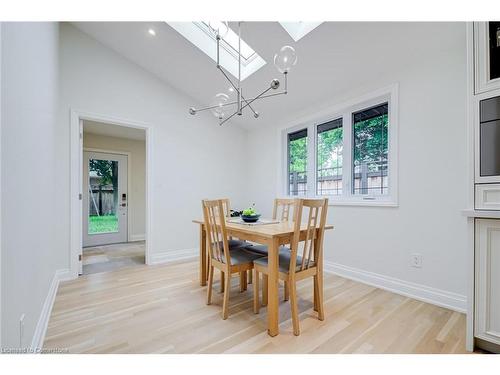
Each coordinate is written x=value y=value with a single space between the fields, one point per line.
x=272 y=235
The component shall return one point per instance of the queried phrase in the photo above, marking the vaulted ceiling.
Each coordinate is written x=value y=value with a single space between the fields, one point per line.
x=334 y=58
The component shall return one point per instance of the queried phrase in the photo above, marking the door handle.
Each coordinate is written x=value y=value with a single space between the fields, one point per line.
x=124 y=205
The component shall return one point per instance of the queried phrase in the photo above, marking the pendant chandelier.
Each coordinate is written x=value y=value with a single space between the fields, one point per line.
x=222 y=107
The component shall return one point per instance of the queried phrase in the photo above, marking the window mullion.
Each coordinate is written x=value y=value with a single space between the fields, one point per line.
x=311 y=160
x=347 y=156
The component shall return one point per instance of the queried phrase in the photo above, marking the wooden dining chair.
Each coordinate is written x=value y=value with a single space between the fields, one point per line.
x=282 y=208
x=233 y=243
x=296 y=263
x=228 y=261
x=281 y=211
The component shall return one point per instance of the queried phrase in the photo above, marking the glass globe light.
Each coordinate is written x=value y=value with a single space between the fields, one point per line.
x=220 y=28
x=220 y=100
x=285 y=59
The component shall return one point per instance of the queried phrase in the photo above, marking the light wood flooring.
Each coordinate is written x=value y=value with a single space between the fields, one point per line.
x=161 y=309
x=107 y=258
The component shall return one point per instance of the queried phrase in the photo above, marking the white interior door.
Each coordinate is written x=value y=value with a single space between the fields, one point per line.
x=105 y=198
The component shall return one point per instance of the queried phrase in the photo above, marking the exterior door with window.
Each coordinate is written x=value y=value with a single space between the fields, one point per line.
x=105 y=198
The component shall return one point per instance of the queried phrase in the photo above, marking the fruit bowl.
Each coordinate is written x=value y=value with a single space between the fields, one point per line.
x=250 y=218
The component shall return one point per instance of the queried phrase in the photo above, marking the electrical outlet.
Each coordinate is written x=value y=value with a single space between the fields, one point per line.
x=21 y=330
x=416 y=260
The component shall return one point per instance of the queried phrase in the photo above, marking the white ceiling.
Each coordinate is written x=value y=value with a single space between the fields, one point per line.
x=93 y=127
x=334 y=58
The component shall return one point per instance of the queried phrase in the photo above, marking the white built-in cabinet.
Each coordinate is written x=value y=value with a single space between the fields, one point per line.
x=487 y=280
x=482 y=80
x=483 y=314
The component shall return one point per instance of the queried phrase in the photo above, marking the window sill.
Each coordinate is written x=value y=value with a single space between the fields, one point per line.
x=361 y=203
x=332 y=201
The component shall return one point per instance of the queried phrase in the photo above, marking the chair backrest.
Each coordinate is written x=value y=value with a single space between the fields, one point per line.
x=226 y=205
x=315 y=210
x=215 y=226
x=282 y=206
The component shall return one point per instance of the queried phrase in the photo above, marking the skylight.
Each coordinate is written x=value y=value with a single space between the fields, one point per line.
x=298 y=30
x=202 y=37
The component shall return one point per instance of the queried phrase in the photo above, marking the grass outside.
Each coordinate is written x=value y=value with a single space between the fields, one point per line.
x=103 y=224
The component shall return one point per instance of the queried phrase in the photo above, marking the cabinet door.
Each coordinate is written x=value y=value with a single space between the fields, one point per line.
x=486 y=56
x=487 y=280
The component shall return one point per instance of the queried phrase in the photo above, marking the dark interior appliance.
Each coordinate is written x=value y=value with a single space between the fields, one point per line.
x=489 y=137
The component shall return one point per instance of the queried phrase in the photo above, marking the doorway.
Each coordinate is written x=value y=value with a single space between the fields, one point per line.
x=113 y=184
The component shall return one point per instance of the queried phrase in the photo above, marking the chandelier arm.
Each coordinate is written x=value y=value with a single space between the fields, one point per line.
x=227 y=77
x=273 y=94
x=249 y=106
x=218 y=42
x=257 y=97
x=230 y=117
x=261 y=96
x=214 y=106
x=236 y=88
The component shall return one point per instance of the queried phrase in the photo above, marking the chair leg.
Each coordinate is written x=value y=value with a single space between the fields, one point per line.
x=250 y=276
x=315 y=295
x=264 y=289
x=225 y=303
x=256 y=291
x=222 y=281
x=294 y=308
x=287 y=291
x=210 y=281
x=321 y=311
x=242 y=281
x=245 y=280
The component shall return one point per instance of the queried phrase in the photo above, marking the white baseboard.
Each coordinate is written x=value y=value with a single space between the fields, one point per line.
x=137 y=237
x=173 y=256
x=419 y=292
x=43 y=320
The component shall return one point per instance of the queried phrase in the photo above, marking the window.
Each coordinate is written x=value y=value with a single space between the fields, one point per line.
x=200 y=35
x=297 y=162
x=370 y=150
x=298 y=30
x=349 y=155
x=329 y=158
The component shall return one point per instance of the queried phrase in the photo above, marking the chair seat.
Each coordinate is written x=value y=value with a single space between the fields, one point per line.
x=235 y=244
x=241 y=256
x=262 y=249
x=284 y=260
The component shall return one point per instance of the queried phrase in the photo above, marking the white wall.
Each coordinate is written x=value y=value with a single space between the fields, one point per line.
x=432 y=183
x=1 y=294
x=31 y=207
x=137 y=176
x=193 y=158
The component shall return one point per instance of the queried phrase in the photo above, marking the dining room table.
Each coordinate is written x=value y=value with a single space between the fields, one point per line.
x=271 y=233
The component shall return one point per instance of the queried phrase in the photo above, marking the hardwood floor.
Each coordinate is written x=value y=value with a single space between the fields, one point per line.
x=107 y=258
x=161 y=309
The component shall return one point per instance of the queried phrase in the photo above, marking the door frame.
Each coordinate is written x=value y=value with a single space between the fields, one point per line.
x=76 y=176
x=129 y=171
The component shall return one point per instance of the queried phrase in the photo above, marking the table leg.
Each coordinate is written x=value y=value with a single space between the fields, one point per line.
x=272 y=289
x=203 y=256
x=315 y=279
x=318 y=283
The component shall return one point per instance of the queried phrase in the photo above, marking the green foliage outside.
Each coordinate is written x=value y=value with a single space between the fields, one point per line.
x=330 y=152
x=370 y=146
x=298 y=155
x=370 y=142
x=107 y=170
x=103 y=224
